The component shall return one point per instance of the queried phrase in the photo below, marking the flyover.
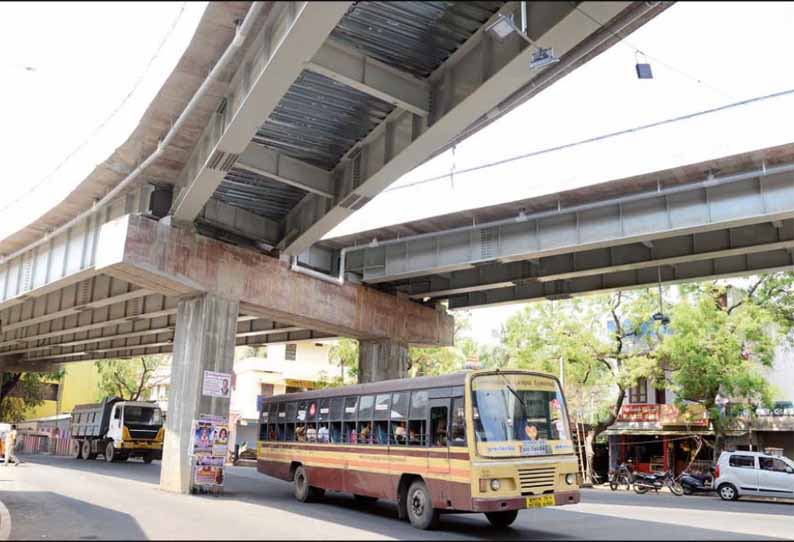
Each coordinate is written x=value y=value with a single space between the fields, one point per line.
x=281 y=119
x=724 y=217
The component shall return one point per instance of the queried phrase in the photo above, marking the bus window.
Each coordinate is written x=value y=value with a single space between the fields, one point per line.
x=458 y=431
x=281 y=432
x=399 y=415
x=439 y=420
x=417 y=419
x=349 y=418
x=292 y=413
x=381 y=418
x=365 y=410
x=337 y=407
x=300 y=422
x=263 y=432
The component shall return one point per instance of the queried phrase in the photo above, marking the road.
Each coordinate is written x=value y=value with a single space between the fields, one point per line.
x=55 y=498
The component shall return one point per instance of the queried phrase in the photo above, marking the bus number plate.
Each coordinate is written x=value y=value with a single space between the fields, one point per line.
x=539 y=501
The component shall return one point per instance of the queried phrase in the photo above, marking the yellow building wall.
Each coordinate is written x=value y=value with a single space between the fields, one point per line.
x=79 y=385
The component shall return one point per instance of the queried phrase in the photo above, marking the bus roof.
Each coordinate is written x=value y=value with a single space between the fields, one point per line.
x=371 y=388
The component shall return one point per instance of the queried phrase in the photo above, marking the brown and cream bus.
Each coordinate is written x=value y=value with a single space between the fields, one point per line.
x=472 y=441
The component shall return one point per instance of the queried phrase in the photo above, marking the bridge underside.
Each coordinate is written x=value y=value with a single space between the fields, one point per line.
x=733 y=216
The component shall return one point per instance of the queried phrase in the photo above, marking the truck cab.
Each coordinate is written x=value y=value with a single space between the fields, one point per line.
x=133 y=423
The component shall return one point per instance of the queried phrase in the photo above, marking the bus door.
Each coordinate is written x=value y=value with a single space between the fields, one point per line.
x=438 y=436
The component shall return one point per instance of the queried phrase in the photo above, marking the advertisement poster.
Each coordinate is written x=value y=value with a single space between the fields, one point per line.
x=216 y=384
x=209 y=470
x=202 y=437
x=221 y=442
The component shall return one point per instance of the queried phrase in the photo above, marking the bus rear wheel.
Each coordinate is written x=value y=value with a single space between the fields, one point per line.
x=421 y=513
x=502 y=519
x=303 y=491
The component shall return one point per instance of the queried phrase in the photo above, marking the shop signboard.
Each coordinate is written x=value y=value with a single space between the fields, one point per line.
x=663 y=414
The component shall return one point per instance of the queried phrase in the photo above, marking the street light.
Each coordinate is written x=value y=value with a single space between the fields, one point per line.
x=504 y=25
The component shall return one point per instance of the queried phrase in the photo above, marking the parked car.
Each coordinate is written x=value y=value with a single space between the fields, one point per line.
x=754 y=474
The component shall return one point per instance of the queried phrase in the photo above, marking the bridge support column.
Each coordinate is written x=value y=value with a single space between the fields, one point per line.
x=382 y=360
x=204 y=340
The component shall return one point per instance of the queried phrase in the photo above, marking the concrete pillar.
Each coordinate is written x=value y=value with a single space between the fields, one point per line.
x=382 y=360
x=204 y=340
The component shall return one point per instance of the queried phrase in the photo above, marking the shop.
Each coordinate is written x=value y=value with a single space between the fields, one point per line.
x=659 y=437
x=768 y=430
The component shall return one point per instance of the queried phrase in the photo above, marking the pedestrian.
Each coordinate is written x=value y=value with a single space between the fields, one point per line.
x=10 y=443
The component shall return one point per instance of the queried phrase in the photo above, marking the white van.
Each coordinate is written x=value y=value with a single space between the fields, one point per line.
x=754 y=474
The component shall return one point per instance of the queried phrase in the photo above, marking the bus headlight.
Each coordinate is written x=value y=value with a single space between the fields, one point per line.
x=495 y=485
x=570 y=478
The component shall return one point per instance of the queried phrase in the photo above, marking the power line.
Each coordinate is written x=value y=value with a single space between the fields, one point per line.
x=110 y=117
x=636 y=49
x=602 y=137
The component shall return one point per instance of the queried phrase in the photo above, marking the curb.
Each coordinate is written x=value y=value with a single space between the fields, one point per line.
x=5 y=522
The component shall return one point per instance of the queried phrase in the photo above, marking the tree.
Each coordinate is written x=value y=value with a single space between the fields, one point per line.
x=444 y=359
x=345 y=354
x=129 y=379
x=22 y=392
x=593 y=359
x=717 y=350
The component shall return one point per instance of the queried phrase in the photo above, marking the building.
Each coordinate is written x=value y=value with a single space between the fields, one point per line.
x=285 y=368
x=79 y=384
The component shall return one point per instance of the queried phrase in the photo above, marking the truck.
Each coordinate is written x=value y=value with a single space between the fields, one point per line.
x=118 y=430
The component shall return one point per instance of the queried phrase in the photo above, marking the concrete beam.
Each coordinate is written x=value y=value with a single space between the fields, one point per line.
x=463 y=89
x=177 y=262
x=356 y=70
x=291 y=36
x=280 y=167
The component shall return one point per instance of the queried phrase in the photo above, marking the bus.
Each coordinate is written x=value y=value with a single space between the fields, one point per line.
x=491 y=441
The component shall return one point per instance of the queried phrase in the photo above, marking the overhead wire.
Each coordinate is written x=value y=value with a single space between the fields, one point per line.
x=595 y=139
x=110 y=117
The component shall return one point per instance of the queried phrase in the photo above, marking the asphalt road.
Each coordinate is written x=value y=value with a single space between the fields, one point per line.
x=56 y=498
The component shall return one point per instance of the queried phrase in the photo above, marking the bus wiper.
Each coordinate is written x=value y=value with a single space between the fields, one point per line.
x=514 y=392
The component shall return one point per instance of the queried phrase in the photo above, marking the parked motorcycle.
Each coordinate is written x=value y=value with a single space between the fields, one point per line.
x=697 y=482
x=623 y=476
x=645 y=482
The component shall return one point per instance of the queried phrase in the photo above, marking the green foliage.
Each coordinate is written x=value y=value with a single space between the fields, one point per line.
x=22 y=392
x=130 y=379
x=445 y=359
x=345 y=354
x=719 y=350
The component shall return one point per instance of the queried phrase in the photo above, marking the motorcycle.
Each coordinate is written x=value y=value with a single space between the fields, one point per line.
x=694 y=482
x=645 y=482
x=623 y=476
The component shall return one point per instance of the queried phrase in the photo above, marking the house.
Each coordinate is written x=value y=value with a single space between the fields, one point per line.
x=285 y=368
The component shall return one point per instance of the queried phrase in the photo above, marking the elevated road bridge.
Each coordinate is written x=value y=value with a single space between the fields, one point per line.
x=281 y=119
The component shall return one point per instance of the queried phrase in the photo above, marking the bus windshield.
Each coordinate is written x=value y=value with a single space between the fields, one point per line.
x=519 y=415
x=143 y=415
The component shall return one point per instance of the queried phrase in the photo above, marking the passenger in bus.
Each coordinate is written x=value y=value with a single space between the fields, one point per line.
x=400 y=433
x=311 y=434
x=322 y=433
x=440 y=433
x=353 y=436
x=300 y=433
x=365 y=435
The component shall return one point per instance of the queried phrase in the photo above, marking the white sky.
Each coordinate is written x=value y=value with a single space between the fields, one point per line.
x=85 y=68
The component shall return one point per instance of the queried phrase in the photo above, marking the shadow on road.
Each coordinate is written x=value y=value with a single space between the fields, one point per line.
x=38 y=515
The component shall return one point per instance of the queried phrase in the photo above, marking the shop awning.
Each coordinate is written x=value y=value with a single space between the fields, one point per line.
x=660 y=432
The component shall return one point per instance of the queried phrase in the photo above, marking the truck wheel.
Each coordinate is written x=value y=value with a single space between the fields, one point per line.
x=147 y=458
x=110 y=452
x=76 y=449
x=86 y=450
x=421 y=513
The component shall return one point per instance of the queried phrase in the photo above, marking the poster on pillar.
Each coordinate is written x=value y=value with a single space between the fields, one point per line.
x=209 y=471
x=216 y=384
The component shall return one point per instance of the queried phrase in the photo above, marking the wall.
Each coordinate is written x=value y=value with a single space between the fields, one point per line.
x=79 y=385
x=781 y=375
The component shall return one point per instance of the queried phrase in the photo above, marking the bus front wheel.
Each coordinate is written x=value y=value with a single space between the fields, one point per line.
x=303 y=491
x=421 y=513
x=502 y=519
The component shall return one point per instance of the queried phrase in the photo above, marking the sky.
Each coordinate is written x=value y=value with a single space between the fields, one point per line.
x=703 y=55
